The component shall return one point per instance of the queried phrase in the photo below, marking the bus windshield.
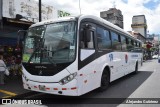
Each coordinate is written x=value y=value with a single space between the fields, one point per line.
x=52 y=43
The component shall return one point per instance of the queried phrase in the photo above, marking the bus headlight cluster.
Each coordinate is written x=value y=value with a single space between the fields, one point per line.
x=67 y=78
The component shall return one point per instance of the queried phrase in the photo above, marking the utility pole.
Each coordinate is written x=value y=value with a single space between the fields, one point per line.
x=40 y=16
x=1 y=21
x=158 y=49
x=80 y=6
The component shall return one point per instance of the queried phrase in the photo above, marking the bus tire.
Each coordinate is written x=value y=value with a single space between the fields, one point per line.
x=105 y=80
x=136 y=68
x=141 y=62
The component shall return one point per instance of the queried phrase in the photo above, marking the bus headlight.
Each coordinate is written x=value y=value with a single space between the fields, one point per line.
x=67 y=78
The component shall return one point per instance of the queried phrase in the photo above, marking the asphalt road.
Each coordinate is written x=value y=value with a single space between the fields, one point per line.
x=121 y=88
x=130 y=86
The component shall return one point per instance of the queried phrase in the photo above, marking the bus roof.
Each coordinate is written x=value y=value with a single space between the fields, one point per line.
x=54 y=20
x=81 y=17
x=101 y=20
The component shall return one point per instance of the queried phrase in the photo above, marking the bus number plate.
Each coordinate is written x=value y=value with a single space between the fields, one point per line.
x=42 y=87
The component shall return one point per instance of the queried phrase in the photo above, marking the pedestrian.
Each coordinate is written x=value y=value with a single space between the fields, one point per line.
x=13 y=65
x=2 y=70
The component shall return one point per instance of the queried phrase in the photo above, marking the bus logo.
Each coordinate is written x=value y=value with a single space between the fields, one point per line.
x=40 y=67
x=111 y=57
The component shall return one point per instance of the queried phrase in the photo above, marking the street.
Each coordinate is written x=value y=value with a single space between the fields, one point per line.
x=72 y=47
x=138 y=85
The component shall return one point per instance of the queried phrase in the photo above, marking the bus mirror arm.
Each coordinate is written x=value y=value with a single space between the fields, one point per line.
x=21 y=33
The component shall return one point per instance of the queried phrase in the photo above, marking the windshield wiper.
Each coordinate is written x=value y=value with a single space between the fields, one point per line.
x=41 y=51
x=33 y=55
x=51 y=61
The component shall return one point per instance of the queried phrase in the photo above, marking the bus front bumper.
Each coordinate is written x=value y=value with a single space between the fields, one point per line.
x=69 y=89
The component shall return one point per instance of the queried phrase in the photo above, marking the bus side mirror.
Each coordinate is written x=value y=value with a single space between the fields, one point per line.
x=86 y=35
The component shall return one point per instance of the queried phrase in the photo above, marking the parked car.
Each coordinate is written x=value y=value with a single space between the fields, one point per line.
x=155 y=56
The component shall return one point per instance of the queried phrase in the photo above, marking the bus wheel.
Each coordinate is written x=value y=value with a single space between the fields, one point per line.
x=136 y=68
x=105 y=80
x=141 y=62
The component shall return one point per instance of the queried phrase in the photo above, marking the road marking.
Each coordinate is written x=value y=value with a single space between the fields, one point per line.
x=9 y=93
x=6 y=96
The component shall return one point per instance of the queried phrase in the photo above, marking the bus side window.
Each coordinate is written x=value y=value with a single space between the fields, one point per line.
x=103 y=38
x=139 y=45
x=116 y=45
x=90 y=44
x=123 y=42
x=130 y=44
x=136 y=44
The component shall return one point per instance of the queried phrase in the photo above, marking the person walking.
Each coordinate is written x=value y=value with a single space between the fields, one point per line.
x=2 y=70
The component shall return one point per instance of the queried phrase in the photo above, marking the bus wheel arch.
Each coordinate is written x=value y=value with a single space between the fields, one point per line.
x=105 y=79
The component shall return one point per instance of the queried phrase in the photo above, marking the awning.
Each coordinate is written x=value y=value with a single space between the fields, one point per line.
x=8 y=41
x=8 y=34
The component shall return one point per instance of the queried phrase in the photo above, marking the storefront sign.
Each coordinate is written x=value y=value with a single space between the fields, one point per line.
x=62 y=13
x=30 y=10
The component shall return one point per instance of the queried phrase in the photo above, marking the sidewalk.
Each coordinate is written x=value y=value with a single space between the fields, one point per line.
x=13 y=86
x=149 y=89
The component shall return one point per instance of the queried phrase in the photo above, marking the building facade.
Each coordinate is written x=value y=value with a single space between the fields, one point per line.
x=114 y=16
x=29 y=9
x=138 y=36
x=10 y=43
x=139 y=24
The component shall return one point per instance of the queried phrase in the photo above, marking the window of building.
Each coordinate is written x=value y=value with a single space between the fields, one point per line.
x=110 y=16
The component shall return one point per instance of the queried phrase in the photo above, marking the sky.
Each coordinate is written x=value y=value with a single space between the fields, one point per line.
x=129 y=8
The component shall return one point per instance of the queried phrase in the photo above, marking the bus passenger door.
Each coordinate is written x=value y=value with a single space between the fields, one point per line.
x=86 y=64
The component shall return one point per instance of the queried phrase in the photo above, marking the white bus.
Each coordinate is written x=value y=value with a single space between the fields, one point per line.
x=74 y=55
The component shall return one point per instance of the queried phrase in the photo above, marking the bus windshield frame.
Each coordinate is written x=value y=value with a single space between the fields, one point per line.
x=51 y=43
